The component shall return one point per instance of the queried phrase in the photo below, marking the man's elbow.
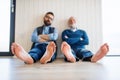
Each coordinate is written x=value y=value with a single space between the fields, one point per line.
x=87 y=43
x=55 y=38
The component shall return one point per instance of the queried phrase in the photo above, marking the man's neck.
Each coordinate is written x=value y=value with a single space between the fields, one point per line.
x=73 y=29
x=47 y=26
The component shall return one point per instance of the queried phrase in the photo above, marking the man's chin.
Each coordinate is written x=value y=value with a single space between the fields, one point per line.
x=47 y=24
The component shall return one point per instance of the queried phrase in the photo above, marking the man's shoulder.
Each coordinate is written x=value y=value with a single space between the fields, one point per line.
x=81 y=30
x=43 y=26
x=52 y=27
x=67 y=30
x=39 y=27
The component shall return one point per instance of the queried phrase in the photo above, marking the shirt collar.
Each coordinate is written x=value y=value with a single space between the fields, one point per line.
x=72 y=29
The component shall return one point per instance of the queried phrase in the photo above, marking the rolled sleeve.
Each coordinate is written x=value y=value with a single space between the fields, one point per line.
x=35 y=37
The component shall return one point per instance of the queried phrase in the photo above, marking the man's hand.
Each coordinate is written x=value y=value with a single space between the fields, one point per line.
x=44 y=37
x=66 y=37
x=81 y=39
x=42 y=40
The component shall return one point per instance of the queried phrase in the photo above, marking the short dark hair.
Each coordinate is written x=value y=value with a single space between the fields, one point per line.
x=49 y=13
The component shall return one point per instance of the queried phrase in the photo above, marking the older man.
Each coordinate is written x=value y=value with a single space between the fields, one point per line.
x=73 y=46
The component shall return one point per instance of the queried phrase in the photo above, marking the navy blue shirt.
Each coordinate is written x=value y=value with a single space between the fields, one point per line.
x=76 y=39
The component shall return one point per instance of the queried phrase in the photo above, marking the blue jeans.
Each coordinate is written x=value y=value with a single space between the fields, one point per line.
x=38 y=51
x=83 y=54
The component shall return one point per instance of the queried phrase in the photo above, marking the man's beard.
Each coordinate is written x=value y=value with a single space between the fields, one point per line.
x=73 y=26
x=47 y=23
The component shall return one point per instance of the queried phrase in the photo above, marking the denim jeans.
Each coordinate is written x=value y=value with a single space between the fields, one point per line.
x=80 y=53
x=38 y=51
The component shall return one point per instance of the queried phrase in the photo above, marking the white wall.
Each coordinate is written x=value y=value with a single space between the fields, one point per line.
x=29 y=14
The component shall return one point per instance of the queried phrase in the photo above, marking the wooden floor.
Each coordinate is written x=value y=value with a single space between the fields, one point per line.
x=12 y=68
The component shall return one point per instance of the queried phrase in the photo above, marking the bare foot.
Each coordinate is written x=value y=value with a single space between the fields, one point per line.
x=101 y=53
x=20 y=53
x=66 y=50
x=50 y=50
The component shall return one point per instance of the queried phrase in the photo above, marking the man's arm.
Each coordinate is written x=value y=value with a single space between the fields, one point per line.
x=44 y=36
x=69 y=40
x=51 y=36
x=36 y=38
x=84 y=39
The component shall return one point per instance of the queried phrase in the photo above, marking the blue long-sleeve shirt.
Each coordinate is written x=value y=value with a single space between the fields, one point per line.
x=52 y=36
x=76 y=39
